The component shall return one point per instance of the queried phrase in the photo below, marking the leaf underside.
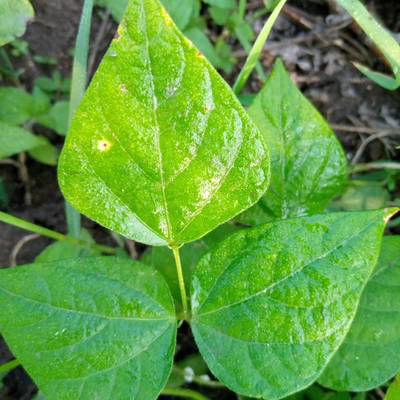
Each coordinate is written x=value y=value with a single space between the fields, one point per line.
x=161 y=150
x=272 y=304
x=370 y=354
x=90 y=328
x=308 y=164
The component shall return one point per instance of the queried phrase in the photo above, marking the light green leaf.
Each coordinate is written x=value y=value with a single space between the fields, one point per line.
x=14 y=15
x=163 y=260
x=13 y=140
x=56 y=118
x=62 y=250
x=393 y=392
x=92 y=328
x=370 y=354
x=307 y=161
x=16 y=105
x=184 y=158
x=272 y=304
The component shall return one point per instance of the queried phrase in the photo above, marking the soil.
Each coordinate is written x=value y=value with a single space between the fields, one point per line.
x=319 y=61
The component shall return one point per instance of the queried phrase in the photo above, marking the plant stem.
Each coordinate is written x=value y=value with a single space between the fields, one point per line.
x=20 y=223
x=181 y=280
x=7 y=367
x=78 y=86
x=257 y=48
x=187 y=393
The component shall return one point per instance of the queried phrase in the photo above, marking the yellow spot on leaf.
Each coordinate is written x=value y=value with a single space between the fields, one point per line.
x=103 y=145
x=167 y=18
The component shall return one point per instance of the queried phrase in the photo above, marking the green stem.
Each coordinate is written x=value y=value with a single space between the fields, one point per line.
x=375 y=165
x=255 y=52
x=186 y=393
x=78 y=86
x=181 y=280
x=20 y=223
x=7 y=367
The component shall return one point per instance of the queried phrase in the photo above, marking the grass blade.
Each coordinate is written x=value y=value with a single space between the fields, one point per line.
x=257 y=48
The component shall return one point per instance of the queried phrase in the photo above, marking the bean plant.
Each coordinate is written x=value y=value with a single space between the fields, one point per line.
x=278 y=292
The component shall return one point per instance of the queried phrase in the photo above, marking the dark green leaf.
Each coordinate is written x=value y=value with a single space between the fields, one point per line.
x=93 y=328
x=13 y=140
x=370 y=354
x=16 y=105
x=308 y=163
x=14 y=15
x=272 y=304
x=153 y=153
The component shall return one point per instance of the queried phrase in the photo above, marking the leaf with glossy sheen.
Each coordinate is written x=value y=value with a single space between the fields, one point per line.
x=370 y=354
x=308 y=165
x=272 y=304
x=14 y=15
x=160 y=149
x=13 y=140
x=92 y=328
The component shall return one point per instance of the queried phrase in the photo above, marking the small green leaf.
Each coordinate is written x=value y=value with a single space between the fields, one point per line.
x=370 y=354
x=272 y=304
x=62 y=250
x=13 y=140
x=308 y=163
x=14 y=15
x=16 y=105
x=184 y=158
x=180 y=12
x=46 y=153
x=92 y=328
x=227 y=4
x=56 y=118
x=393 y=392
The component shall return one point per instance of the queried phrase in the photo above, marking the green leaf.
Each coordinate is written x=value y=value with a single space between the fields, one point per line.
x=162 y=259
x=116 y=7
x=14 y=15
x=184 y=158
x=92 y=328
x=180 y=12
x=281 y=297
x=57 y=117
x=13 y=140
x=307 y=161
x=62 y=250
x=370 y=354
x=46 y=153
x=393 y=392
x=16 y=105
x=227 y=4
